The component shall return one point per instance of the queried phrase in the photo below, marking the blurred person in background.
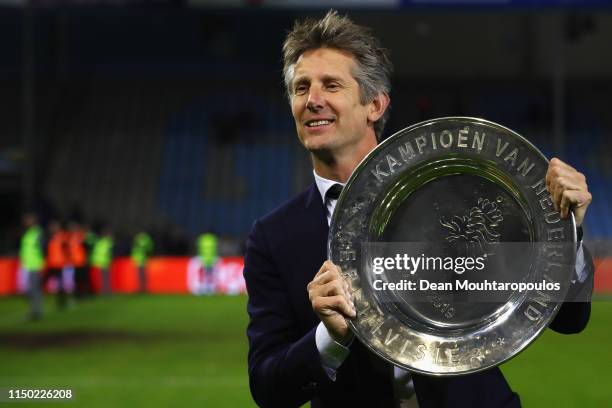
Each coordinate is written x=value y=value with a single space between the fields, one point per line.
x=101 y=258
x=207 y=252
x=300 y=345
x=90 y=240
x=32 y=261
x=142 y=248
x=57 y=260
x=78 y=258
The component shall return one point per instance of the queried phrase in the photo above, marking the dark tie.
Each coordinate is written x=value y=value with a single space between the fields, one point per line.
x=334 y=192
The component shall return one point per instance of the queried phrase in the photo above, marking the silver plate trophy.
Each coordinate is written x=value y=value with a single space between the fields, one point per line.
x=445 y=189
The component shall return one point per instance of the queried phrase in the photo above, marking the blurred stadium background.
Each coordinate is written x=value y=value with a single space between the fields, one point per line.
x=169 y=117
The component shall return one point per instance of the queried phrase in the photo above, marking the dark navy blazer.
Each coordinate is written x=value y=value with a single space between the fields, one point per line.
x=284 y=251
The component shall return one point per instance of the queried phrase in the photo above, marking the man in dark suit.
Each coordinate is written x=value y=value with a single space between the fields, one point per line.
x=301 y=348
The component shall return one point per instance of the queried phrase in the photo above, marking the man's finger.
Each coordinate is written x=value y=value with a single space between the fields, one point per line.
x=331 y=304
x=332 y=288
x=555 y=162
x=326 y=276
x=327 y=265
x=562 y=184
x=557 y=168
x=323 y=275
x=338 y=269
x=578 y=199
x=322 y=278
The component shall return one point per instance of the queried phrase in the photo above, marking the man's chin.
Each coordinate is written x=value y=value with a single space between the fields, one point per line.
x=314 y=143
x=323 y=152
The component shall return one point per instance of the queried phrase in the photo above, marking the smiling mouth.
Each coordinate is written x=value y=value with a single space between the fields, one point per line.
x=320 y=122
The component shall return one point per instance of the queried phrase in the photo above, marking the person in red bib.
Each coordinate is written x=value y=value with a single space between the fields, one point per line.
x=57 y=259
x=78 y=258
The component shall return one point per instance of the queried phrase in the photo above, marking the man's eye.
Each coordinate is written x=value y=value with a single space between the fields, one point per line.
x=300 y=89
x=333 y=87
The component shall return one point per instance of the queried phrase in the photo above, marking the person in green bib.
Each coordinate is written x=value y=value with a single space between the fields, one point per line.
x=142 y=247
x=101 y=258
x=32 y=260
x=207 y=252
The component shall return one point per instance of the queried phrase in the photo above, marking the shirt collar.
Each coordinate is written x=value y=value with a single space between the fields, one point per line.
x=324 y=184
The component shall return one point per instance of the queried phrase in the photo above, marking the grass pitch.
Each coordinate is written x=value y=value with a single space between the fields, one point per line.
x=154 y=351
x=130 y=351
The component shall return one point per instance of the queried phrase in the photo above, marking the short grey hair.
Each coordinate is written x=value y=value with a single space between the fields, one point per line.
x=373 y=68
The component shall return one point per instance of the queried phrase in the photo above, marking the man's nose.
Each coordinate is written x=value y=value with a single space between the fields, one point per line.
x=315 y=101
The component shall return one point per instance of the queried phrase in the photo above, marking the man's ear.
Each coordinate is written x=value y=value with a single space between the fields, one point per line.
x=378 y=106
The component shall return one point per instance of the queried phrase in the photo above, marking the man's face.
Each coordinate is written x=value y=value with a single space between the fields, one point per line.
x=325 y=102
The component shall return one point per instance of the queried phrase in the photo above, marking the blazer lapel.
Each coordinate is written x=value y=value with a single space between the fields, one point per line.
x=316 y=217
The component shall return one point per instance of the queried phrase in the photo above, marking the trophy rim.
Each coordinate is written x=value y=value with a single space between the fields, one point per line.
x=356 y=174
x=430 y=122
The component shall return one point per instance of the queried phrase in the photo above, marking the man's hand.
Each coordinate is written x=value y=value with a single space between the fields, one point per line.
x=568 y=189
x=330 y=297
